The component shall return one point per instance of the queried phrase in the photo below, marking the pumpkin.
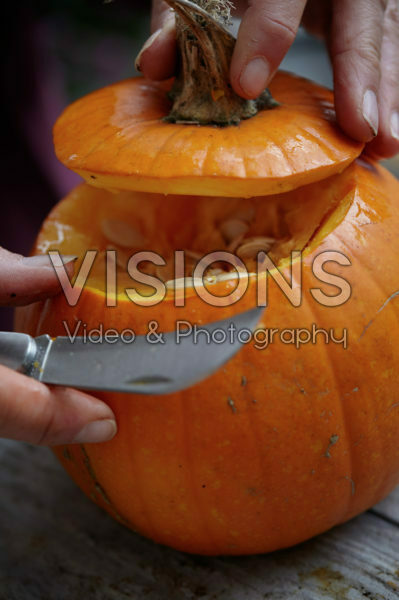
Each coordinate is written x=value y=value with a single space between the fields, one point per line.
x=126 y=144
x=289 y=438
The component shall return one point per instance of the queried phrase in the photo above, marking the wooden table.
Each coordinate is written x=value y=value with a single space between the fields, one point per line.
x=56 y=545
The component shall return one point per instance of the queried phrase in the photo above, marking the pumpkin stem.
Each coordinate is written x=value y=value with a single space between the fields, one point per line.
x=202 y=93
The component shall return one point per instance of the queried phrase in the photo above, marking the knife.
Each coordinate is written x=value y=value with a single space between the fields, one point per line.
x=140 y=366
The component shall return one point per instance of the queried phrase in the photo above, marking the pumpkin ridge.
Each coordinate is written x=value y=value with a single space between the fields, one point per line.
x=99 y=490
x=346 y=435
x=111 y=162
x=131 y=443
x=390 y=298
x=212 y=146
x=193 y=479
x=100 y=144
x=328 y=150
x=174 y=134
x=242 y=153
x=145 y=511
x=377 y=495
x=284 y=153
x=376 y=282
x=260 y=450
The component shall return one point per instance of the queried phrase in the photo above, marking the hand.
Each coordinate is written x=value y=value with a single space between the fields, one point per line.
x=29 y=410
x=363 y=40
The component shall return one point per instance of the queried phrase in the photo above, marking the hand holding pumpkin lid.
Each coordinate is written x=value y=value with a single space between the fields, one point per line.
x=120 y=137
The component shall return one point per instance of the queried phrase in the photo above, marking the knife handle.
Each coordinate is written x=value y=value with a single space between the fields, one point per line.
x=17 y=350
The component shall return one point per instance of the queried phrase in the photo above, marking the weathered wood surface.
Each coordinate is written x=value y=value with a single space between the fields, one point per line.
x=56 y=545
x=389 y=508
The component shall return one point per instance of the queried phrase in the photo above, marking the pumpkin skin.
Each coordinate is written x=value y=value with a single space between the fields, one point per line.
x=311 y=437
x=125 y=144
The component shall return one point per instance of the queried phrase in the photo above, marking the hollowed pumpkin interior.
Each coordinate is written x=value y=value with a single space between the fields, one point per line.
x=93 y=219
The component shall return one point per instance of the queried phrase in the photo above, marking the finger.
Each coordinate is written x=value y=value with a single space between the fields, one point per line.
x=356 y=38
x=157 y=58
x=35 y=413
x=267 y=31
x=27 y=279
x=386 y=144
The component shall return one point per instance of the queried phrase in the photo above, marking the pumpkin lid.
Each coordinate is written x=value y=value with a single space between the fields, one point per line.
x=116 y=138
x=218 y=143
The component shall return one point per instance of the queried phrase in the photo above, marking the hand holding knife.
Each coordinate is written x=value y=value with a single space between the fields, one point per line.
x=37 y=413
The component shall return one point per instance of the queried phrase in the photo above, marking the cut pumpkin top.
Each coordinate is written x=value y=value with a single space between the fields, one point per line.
x=116 y=138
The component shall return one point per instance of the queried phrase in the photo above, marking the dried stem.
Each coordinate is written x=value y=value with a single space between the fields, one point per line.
x=202 y=93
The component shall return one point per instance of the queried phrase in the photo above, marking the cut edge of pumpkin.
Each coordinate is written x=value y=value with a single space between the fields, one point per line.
x=210 y=186
x=222 y=287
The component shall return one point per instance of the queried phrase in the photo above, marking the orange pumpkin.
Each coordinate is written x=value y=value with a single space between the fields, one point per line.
x=282 y=443
x=116 y=138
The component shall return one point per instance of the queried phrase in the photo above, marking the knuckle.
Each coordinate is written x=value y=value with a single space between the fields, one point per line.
x=392 y=12
x=367 y=52
x=42 y=394
x=283 y=29
x=390 y=78
x=45 y=431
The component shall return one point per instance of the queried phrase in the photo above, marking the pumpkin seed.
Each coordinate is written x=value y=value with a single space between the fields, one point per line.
x=230 y=275
x=122 y=234
x=232 y=229
x=183 y=282
x=246 y=213
x=251 y=247
x=212 y=275
x=232 y=247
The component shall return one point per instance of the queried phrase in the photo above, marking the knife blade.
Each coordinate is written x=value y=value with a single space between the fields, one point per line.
x=140 y=366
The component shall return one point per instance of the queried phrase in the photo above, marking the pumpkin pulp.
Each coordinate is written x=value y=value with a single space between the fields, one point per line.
x=166 y=224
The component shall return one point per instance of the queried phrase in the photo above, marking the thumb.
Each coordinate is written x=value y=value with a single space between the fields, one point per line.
x=157 y=58
x=160 y=13
x=24 y=280
x=35 y=413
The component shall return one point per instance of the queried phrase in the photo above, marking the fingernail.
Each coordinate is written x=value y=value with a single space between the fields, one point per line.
x=370 y=110
x=43 y=260
x=67 y=259
x=395 y=125
x=168 y=25
x=97 y=431
x=147 y=45
x=255 y=76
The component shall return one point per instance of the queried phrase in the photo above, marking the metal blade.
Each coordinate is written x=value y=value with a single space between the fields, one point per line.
x=142 y=367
